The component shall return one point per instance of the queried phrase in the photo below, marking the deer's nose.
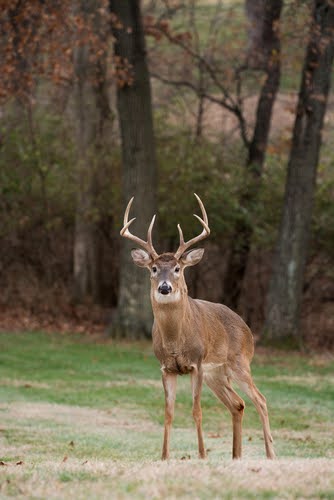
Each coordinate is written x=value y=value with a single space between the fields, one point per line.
x=164 y=288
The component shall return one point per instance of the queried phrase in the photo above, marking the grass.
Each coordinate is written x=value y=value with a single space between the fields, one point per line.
x=83 y=419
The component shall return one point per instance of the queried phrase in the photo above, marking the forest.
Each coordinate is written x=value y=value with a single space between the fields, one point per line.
x=103 y=100
x=107 y=101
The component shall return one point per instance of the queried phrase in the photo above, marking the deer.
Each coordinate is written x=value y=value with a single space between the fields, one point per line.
x=206 y=340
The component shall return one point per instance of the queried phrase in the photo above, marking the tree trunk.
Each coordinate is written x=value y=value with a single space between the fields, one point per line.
x=263 y=54
x=285 y=291
x=255 y=10
x=133 y=318
x=91 y=108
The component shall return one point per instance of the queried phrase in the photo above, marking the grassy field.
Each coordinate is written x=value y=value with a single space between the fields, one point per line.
x=83 y=419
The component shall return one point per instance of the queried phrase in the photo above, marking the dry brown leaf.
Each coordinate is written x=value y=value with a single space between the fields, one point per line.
x=214 y=435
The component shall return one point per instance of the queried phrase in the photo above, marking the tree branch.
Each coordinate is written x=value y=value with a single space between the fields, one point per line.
x=235 y=109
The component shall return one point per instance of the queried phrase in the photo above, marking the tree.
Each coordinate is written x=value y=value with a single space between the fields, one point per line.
x=91 y=111
x=286 y=286
x=208 y=72
x=264 y=54
x=58 y=42
x=34 y=44
x=133 y=317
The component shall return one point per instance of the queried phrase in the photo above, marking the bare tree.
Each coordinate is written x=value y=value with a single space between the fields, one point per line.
x=263 y=56
x=286 y=286
x=133 y=317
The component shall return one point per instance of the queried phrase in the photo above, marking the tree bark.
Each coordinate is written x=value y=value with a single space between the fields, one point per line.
x=285 y=291
x=91 y=108
x=264 y=53
x=133 y=318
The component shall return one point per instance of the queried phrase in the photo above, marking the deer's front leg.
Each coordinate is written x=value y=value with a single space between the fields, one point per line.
x=169 y=383
x=196 y=385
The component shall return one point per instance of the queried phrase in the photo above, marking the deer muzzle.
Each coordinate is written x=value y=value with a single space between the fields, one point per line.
x=164 y=288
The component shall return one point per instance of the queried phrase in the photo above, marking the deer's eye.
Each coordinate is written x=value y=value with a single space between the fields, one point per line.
x=177 y=269
x=154 y=269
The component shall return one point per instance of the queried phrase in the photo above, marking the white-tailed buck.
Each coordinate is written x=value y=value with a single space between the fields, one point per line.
x=209 y=341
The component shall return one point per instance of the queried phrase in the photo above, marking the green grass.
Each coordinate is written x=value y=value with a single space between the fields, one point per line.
x=87 y=416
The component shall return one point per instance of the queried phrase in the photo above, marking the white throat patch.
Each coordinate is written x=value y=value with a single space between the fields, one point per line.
x=167 y=299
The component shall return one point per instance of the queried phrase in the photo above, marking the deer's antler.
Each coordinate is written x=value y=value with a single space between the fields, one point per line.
x=204 y=234
x=147 y=245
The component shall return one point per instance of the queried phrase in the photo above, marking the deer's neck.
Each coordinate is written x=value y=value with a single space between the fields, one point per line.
x=170 y=317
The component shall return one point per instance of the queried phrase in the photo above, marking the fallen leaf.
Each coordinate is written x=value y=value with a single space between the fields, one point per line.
x=214 y=435
x=85 y=462
x=2 y=463
x=65 y=458
x=20 y=462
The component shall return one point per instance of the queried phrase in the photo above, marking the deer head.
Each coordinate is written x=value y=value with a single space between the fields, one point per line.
x=166 y=270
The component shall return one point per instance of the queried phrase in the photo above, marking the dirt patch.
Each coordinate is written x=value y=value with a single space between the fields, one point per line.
x=157 y=384
x=82 y=417
x=218 y=121
x=9 y=382
x=312 y=380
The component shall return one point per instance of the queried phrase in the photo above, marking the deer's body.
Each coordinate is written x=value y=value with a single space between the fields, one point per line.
x=197 y=332
x=190 y=336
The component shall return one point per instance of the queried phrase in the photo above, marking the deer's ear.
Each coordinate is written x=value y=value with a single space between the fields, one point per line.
x=141 y=258
x=192 y=257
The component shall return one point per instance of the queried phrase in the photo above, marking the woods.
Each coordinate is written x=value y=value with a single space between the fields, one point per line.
x=292 y=248
x=102 y=101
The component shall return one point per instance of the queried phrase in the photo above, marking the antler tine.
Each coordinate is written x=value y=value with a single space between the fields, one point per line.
x=147 y=245
x=181 y=234
x=204 y=224
x=149 y=232
x=204 y=234
x=204 y=214
x=127 y=211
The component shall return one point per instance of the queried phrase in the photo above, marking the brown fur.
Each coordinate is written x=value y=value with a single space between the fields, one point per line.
x=190 y=334
x=206 y=340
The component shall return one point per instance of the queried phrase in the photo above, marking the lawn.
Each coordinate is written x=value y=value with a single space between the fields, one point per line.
x=83 y=419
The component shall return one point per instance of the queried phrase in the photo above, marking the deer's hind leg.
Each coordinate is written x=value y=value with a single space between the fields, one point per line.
x=246 y=384
x=221 y=387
